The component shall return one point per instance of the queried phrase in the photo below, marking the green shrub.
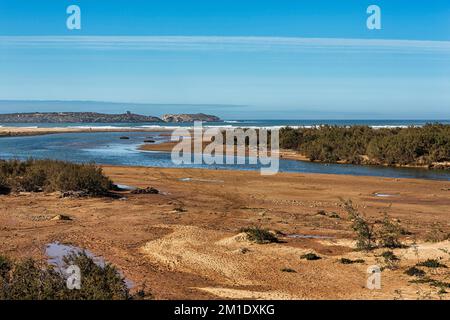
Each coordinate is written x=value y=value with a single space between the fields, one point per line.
x=5 y=266
x=391 y=261
x=389 y=234
x=310 y=256
x=258 y=235
x=4 y=187
x=98 y=282
x=415 y=272
x=51 y=175
x=431 y=263
x=350 y=261
x=364 y=230
x=29 y=280
x=432 y=282
x=354 y=144
x=390 y=256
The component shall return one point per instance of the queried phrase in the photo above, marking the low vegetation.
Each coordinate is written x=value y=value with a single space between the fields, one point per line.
x=51 y=175
x=30 y=280
x=432 y=282
x=350 y=261
x=288 y=270
x=390 y=260
x=415 y=272
x=389 y=234
x=310 y=256
x=365 y=236
x=371 y=235
x=431 y=263
x=259 y=235
x=425 y=145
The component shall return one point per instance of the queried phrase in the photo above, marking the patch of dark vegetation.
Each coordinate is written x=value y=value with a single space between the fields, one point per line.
x=431 y=263
x=332 y=214
x=289 y=270
x=148 y=190
x=425 y=145
x=30 y=280
x=390 y=260
x=415 y=272
x=259 y=235
x=384 y=233
x=390 y=256
x=350 y=261
x=310 y=256
x=365 y=237
x=431 y=282
x=4 y=188
x=52 y=175
x=389 y=234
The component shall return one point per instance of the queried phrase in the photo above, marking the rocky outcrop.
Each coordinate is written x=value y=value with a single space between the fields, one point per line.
x=75 y=117
x=190 y=117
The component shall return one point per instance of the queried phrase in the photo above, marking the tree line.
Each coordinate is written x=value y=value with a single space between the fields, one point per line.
x=428 y=145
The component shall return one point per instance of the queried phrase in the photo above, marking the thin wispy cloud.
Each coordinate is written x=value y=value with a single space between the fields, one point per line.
x=225 y=43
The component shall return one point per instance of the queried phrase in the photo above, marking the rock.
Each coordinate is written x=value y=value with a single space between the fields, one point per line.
x=149 y=141
x=190 y=117
x=124 y=138
x=148 y=190
x=61 y=217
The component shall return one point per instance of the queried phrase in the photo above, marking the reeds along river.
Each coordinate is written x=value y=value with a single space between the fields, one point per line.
x=108 y=148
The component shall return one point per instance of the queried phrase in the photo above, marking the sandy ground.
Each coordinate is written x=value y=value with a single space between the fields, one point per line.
x=32 y=131
x=169 y=145
x=185 y=243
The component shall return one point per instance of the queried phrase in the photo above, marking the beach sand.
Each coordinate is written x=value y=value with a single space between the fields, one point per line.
x=185 y=243
x=32 y=131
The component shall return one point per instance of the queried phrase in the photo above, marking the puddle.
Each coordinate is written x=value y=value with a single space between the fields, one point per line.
x=307 y=236
x=200 y=180
x=384 y=195
x=125 y=187
x=56 y=251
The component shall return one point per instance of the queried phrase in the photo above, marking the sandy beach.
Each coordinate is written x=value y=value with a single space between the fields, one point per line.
x=186 y=243
x=32 y=131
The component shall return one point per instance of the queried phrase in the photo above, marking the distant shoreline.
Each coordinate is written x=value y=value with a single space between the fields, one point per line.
x=28 y=131
x=285 y=153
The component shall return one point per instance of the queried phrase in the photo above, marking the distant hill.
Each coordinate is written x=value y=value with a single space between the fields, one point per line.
x=190 y=117
x=75 y=117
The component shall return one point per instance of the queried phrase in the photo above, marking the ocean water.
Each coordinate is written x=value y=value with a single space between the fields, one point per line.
x=239 y=123
x=108 y=148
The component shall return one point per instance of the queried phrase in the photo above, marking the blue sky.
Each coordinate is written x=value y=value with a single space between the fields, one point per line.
x=284 y=59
